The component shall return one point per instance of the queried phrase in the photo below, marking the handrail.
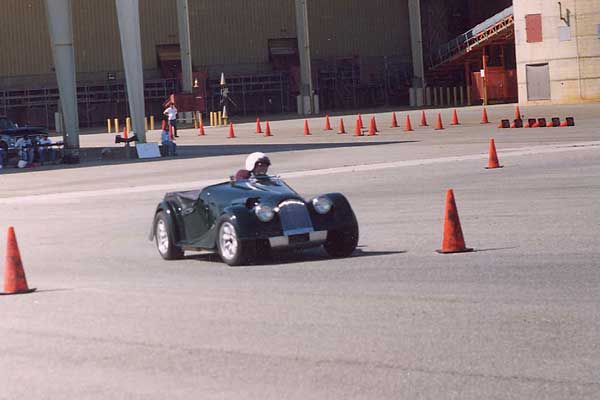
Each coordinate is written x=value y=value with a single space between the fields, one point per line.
x=473 y=36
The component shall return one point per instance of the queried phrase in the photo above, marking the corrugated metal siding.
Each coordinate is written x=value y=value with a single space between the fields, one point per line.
x=237 y=31
x=223 y=32
x=24 y=44
x=357 y=27
x=96 y=36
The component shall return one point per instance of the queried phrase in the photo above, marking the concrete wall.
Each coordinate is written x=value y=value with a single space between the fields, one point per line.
x=230 y=35
x=574 y=64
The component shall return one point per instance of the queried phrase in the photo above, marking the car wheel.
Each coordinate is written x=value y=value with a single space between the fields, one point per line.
x=341 y=243
x=232 y=249
x=261 y=251
x=164 y=238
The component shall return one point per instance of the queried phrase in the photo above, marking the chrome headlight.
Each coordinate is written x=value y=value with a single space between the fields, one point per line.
x=322 y=205
x=264 y=213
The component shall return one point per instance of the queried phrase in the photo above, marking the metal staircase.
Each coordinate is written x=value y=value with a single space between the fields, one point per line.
x=500 y=25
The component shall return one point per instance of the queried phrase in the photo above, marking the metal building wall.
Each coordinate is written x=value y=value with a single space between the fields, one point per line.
x=24 y=41
x=234 y=33
x=230 y=32
x=357 y=27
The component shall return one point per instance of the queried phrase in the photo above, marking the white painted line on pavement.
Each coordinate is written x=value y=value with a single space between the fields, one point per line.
x=79 y=195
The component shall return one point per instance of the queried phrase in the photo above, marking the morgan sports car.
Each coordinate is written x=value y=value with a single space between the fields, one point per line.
x=244 y=219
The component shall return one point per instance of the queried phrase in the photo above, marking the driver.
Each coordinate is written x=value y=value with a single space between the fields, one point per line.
x=257 y=164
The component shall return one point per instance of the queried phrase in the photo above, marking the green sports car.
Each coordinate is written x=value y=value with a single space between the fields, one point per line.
x=244 y=219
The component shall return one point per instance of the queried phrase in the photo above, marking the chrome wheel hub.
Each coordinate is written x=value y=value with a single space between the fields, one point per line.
x=162 y=237
x=228 y=241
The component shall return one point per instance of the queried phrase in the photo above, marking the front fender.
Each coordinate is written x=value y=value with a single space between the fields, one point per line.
x=340 y=216
x=170 y=212
x=244 y=220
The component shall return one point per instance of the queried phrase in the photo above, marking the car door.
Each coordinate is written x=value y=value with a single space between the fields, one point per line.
x=195 y=220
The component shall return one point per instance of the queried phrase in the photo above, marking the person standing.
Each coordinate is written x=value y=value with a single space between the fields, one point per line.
x=171 y=112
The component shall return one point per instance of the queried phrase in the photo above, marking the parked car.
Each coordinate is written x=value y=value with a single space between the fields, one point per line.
x=11 y=132
x=244 y=219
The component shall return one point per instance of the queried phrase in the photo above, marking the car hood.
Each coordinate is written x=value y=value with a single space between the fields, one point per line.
x=265 y=191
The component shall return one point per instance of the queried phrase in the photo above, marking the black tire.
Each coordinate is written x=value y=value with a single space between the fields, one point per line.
x=163 y=236
x=341 y=243
x=231 y=248
x=261 y=251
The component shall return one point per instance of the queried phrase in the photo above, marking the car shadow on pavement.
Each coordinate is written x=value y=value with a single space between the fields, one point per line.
x=476 y=250
x=92 y=156
x=294 y=256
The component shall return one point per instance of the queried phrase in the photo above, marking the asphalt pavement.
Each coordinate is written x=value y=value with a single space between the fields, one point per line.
x=518 y=318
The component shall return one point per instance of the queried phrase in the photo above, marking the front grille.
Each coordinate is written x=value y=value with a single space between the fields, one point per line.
x=294 y=217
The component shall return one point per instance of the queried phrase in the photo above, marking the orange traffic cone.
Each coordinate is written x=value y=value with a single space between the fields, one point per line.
x=358 y=130
x=201 y=128
x=408 y=125
x=164 y=124
x=517 y=113
x=439 y=126
x=394 y=121
x=171 y=137
x=453 y=240
x=361 y=121
x=372 y=127
x=125 y=132
x=14 y=275
x=484 y=117
x=267 y=129
x=231 y=132
x=493 y=158
x=342 y=129
x=327 y=124
x=564 y=123
x=258 y=128
x=454 y=118
x=423 y=119
x=306 y=128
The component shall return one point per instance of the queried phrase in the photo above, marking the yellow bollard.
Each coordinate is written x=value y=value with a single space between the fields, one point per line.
x=108 y=125
x=220 y=118
x=195 y=121
x=213 y=119
x=146 y=124
x=117 y=125
x=128 y=124
x=152 y=122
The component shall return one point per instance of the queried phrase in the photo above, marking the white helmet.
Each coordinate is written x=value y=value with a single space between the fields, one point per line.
x=253 y=158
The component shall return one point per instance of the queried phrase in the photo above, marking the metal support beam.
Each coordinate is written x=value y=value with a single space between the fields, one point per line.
x=128 y=15
x=416 y=43
x=183 y=20
x=306 y=86
x=60 y=26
